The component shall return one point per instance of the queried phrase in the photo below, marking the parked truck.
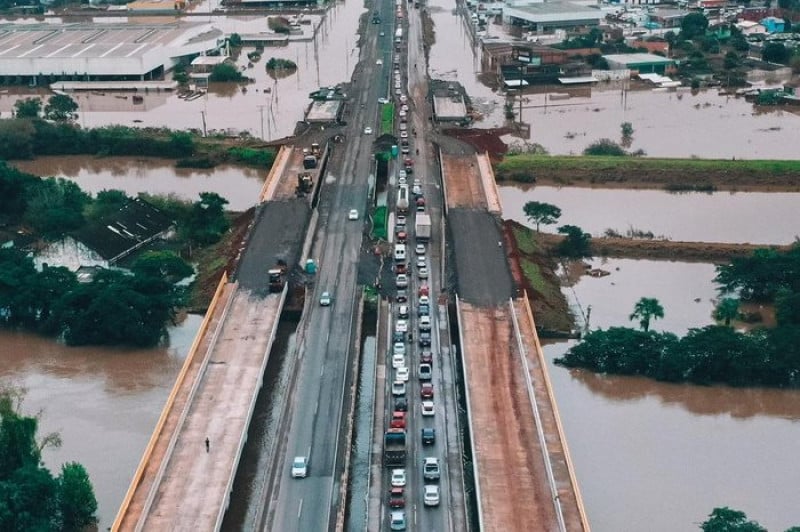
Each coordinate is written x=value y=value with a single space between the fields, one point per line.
x=305 y=183
x=422 y=227
x=277 y=277
x=394 y=448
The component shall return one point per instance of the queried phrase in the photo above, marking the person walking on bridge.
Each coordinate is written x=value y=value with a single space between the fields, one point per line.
x=208 y=445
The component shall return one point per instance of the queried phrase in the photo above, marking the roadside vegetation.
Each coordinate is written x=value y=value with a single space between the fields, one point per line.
x=31 y=498
x=715 y=353
x=130 y=307
x=387 y=119
x=726 y=519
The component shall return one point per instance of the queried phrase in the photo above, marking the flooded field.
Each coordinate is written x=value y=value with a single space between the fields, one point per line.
x=271 y=106
x=240 y=186
x=659 y=457
x=754 y=217
x=104 y=402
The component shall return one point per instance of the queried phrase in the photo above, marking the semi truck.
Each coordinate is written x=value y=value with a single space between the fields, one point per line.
x=422 y=227
x=394 y=448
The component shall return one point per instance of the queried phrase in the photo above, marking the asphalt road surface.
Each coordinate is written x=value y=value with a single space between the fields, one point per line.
x=475 y=236
x=324 y=364
x=277 y=234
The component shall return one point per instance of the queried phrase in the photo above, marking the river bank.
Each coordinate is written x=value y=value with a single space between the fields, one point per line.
x=648 y=173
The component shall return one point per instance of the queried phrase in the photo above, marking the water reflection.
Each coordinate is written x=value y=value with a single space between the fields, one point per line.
x=103 y=401
x=239 y=185
x=754 y=217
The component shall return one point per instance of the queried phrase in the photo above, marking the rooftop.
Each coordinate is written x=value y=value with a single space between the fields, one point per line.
x=632 y=59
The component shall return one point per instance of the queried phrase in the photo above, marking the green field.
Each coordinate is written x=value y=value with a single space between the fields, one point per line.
x=517 y=167
x=379 y=227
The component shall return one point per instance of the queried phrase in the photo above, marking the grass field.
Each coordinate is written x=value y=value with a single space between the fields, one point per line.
x=379 y=228
x=387 y=119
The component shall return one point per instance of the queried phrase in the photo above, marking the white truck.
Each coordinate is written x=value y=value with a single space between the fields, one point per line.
x=422 y=227
x=402 y=199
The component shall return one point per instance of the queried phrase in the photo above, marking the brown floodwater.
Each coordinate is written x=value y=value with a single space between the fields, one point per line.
x=239 y=185
x=104 y=402
x=754 y=217
x=659 y=457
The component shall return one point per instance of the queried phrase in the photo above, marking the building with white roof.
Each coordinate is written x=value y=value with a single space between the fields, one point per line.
x=548 y=16
x=42 y=53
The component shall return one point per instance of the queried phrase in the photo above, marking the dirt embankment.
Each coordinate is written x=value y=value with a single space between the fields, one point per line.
x=483 y=140
x=533 y=269
x=221 y=257
x=718 y=252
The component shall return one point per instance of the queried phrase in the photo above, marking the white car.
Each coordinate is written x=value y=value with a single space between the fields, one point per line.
x=427 y=408
x=402 y=280
x=403 y=175
x=402 y=373
x=416 y=190
x=368 y=130
x=398 y=388
x=400 y=221
x=402 y=181
x=431 y=497
x=352 y=215
x=404 y=107
x=401 y=326
x=398 y=478
x=404 y=134
x=424 y=300
x=402 y=114
x=325 y=299
x=422 y=273
x=398 y=361
x=399 y=348
x=300 y=467
x=397 y=521
x=383 y=100
x=424 y=323
x=419 y=249
x=379 y=62
x=417 y=183
x=422 y=261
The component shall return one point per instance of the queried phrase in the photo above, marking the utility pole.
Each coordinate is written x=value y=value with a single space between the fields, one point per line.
x=203 y=114
x=261 y=111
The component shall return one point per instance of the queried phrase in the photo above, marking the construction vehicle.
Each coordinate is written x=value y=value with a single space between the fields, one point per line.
x=311 y=156
x=277 y=277
x=305 y=183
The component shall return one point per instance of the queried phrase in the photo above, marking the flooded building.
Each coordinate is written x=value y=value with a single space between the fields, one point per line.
x=43 y=53
x=545 y=17
x=644 y=63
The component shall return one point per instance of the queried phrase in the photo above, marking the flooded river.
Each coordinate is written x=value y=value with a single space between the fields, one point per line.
x=754 y=217
x=239 y=185
x=659 y=457
x=104 y=402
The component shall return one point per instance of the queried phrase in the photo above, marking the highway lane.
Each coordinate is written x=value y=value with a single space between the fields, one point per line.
x=325 y=350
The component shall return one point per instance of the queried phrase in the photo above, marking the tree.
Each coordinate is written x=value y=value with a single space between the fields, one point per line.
x=225 y=72
x=106 y=203
x=56 y=207
x=727 y=310
x=775 y=52
x=162 y=265
x=77 y=502
x=235 y=40
x=60 y=108
x=728 y=520
x=646 y=309
x=787 y=307
x=541 y=213
x=28 y=108
x=693 y=25
x=576 y=244
x=207 y=222
x=731 y=60
x=604 y=147
x=627 y=130
x=16 y=138
x=182 y=143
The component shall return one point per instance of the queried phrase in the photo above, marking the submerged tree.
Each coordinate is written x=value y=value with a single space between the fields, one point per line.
x=541 y=213
x=646 y=308
x=727 y=310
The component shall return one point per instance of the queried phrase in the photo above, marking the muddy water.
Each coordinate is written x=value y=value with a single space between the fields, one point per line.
x=240 y=186
x=103 y=402
x=758 y=218
x=659 y=457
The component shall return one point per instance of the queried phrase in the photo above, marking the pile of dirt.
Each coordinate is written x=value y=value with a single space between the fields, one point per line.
x=221 y=257
x=550 y=307
x=484 y=140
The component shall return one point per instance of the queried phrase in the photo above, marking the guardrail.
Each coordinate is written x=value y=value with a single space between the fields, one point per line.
x=278 y=165
x=539 y=430
x=184 y=412
x=469 y=418
x=137 y=476
x=374 y=408
x=565 y=449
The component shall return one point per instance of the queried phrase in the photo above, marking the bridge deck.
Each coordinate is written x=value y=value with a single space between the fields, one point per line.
x=194 y=485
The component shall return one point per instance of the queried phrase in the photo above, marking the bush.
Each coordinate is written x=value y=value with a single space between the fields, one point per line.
x=262 y=158
x=275 y=64
x=604 y=147
x=225 y=72
x=279 y=24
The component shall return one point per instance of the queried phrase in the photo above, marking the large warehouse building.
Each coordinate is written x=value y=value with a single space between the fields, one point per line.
x=42 y=53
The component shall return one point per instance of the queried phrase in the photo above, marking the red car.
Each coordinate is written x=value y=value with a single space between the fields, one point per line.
x=397 y=498
x=408 y=161
x=402 y=236
x=426 y=357
x=426 y=390
x=399 y=419
x=424 y=290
